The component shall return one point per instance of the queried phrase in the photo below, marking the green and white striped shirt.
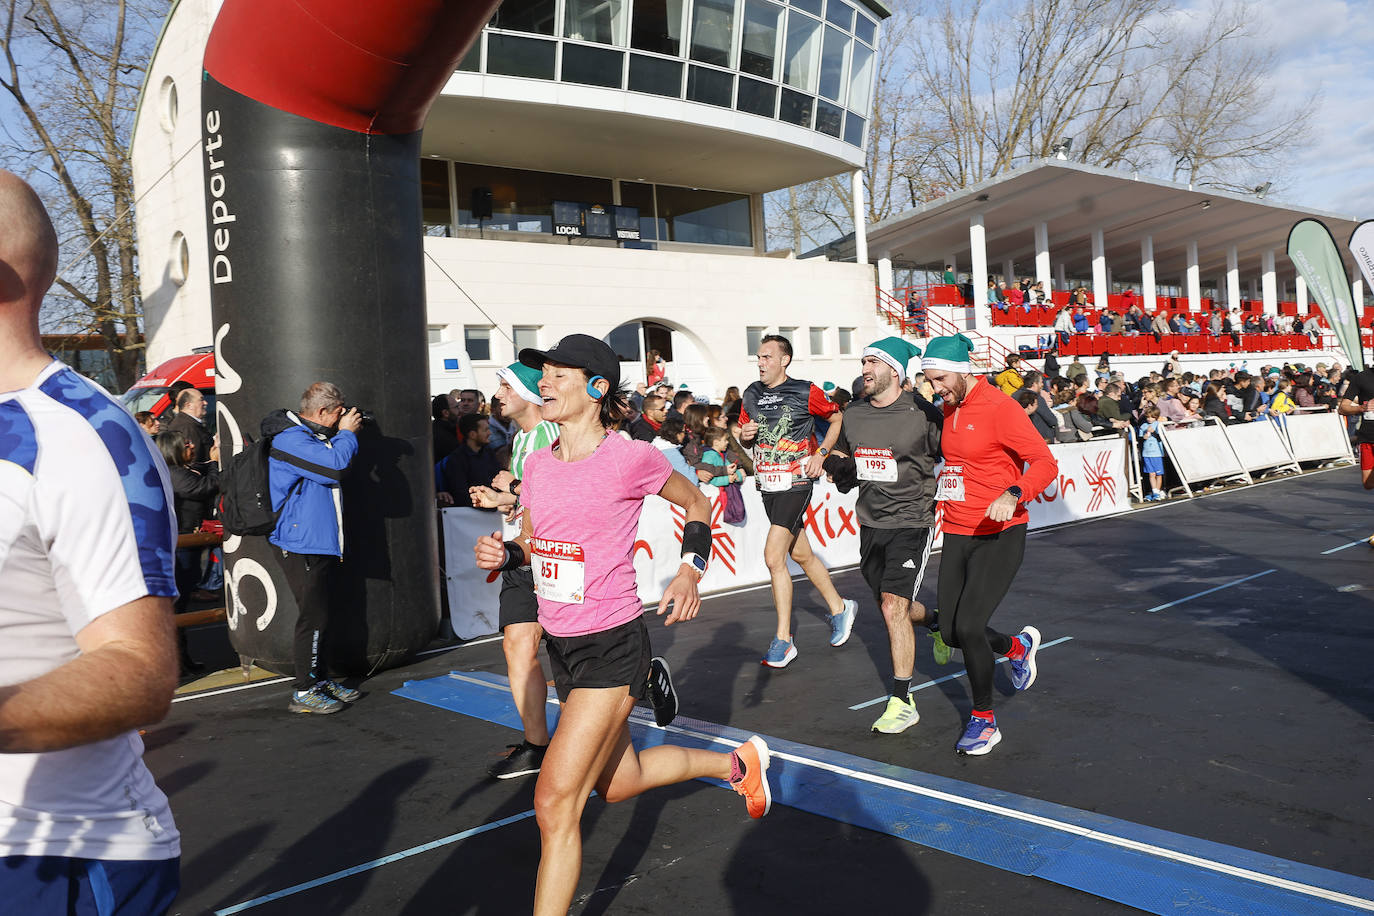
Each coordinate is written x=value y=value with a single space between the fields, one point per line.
x=527 y=443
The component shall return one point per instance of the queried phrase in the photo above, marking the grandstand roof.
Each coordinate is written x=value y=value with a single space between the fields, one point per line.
x=1076 y=199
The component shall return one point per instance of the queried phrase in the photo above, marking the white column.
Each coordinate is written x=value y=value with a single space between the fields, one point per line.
x=1042 y=255
x=1099 y=270
x=978 y=272
x=1147 y=273
x=1300 y=290
x=1357 y=296
x=1269 y=283
x=1232 y=279
x=885 y=272
x=953 y=263
x=1194 y=282
x=1061 y=278
x=1009 y=272
x=856 y=184
x=1254 y=288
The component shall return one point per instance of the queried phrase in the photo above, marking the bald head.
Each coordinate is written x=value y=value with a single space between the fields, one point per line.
x=28 y=245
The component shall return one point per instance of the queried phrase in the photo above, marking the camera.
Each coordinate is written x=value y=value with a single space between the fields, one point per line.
x=364 y=415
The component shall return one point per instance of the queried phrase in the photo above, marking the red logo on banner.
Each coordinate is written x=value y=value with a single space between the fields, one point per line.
x=722 y=541
x=819 y=514
x=1100 y=479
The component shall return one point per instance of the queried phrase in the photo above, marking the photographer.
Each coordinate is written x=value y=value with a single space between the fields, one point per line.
x=309 y=532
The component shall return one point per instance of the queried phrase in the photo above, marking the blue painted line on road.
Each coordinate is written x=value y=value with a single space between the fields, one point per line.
x=949 y=677
x=1209 y=591
x=1151 y=869
x=1344 y=546
x=375 y=863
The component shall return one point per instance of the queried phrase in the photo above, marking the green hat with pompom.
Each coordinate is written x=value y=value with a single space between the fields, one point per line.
x=894 y=351
x=949 y=354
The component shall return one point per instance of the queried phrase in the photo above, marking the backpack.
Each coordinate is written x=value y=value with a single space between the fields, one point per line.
x=245 y=500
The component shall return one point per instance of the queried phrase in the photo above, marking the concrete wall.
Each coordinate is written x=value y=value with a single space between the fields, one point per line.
x=564 y=289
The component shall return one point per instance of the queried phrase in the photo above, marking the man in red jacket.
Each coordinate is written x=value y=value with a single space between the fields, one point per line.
x=987 y=441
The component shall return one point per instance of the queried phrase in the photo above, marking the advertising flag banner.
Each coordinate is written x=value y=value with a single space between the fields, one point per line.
x=1313 y=251
x=1362 y=247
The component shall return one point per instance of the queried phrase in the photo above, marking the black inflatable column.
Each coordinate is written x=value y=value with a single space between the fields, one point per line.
x=311 y=122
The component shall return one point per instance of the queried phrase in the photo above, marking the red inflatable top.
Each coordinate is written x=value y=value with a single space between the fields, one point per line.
x=356 y=64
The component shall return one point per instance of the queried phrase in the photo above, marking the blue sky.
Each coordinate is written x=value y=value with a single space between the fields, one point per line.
x=1327 y=44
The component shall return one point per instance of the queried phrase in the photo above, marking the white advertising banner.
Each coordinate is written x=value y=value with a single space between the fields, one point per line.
x=1317 y=436
x=1260 y=445
x=1202 y=453
x=1092 y=481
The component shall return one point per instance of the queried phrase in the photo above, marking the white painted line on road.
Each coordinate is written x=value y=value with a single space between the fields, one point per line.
x=1344 y=546
x=1210 y=590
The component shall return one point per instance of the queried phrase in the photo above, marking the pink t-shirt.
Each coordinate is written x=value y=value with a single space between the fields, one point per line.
x=584 y=516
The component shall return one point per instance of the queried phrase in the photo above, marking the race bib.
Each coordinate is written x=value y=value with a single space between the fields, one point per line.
x=876 y=464
x=560 y=570
x=949 y=487
x=773 y=478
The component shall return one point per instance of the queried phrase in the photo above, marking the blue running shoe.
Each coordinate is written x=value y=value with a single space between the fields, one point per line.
x=339 y=691
x=780 y=653
x=1023 y=668
x=842 y=624
x=980 y=736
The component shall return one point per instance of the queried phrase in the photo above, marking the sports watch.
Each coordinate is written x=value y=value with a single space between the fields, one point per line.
x=696 y=561
x=1016 y=491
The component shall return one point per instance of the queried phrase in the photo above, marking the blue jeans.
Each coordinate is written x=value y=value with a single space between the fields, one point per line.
x=61 y=886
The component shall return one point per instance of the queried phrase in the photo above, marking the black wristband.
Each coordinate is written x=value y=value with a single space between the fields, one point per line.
x=696 y=538
x=515 y=556
x=513 y=486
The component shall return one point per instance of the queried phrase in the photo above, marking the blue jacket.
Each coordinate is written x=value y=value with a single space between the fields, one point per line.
x=311 y=518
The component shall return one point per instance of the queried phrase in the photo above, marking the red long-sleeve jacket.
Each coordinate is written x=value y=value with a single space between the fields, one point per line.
x=991 y=443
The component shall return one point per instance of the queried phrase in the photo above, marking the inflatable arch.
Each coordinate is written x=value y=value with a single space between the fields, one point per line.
x=312 y=113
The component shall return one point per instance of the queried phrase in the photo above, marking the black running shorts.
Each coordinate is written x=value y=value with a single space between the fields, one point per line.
x=518 y=601
x=893 y=560
x=618 y=657
x=788 y=508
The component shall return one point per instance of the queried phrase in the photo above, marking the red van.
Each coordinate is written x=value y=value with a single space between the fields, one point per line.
x=150 y=392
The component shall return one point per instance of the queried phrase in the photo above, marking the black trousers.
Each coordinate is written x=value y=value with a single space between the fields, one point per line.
x=975 y=572
x=308 y=575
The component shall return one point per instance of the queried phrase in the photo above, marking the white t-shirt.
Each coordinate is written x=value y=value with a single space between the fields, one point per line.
x=86 y=526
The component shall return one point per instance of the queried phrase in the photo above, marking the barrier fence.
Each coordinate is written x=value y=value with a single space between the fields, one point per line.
x=1093 y=480
x=1219 y=452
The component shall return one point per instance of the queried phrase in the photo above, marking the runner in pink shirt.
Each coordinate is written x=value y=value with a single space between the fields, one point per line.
x=582 y=502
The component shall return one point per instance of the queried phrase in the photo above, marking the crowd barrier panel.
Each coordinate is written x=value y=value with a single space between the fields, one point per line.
x=1093 y=480
x=1317 y=436
x=1203 y=453
x=1261 y=446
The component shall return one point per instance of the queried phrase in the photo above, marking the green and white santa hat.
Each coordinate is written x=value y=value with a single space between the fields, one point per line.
x=523 y=380
x=949 y=354
x=894 y=351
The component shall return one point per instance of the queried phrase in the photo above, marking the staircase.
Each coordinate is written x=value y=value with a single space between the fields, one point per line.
x=919 y=323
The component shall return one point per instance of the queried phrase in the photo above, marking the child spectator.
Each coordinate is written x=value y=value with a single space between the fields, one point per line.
x=716 y=442
x=1152 y=453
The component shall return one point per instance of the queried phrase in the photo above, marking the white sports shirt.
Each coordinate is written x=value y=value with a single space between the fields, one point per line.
x=86 y=526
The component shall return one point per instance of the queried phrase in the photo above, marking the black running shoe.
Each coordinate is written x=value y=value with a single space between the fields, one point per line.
x=524 y=759
x=661 y=692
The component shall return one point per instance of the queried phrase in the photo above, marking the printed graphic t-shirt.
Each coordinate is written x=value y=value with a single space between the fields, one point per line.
x=785 y=415
x=589 y=509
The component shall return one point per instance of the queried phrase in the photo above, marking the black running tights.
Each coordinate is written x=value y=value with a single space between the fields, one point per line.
x=975 y=572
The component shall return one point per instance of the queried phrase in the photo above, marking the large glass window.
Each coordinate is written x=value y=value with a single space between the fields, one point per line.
x=656 y=75
x=522 y=201
x=592 y=66
x=860 y=79
x=535 y=16
x=854 y=129
x=602 y=21
x=759 y=49
x=714 y=87
x=511 y=55
x=713 y=31
x=829 y=118
x=753 y=337
x=795 y=108
x=472 y=61
x=811 y=6
x=435 y=202
x=833 y=59
x=801 y=53
x=866 y=29
x=524 y=337
x=840 y=14
x=757 y=98
x=705 y=217
x=641 y=194
x=624 y=340
x=657 y=26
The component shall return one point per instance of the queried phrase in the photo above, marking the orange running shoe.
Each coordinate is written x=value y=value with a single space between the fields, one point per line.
x=749 y=775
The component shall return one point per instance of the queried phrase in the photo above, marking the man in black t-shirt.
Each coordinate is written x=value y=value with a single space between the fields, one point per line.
x=1358 y=399
x=776 y=421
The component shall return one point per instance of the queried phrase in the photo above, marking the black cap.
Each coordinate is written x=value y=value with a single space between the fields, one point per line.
x=582 y=351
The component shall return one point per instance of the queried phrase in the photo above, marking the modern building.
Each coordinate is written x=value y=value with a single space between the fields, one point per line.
x=593 y=166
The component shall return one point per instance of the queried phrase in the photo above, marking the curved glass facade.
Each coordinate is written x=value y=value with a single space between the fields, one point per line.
x=807 y=62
